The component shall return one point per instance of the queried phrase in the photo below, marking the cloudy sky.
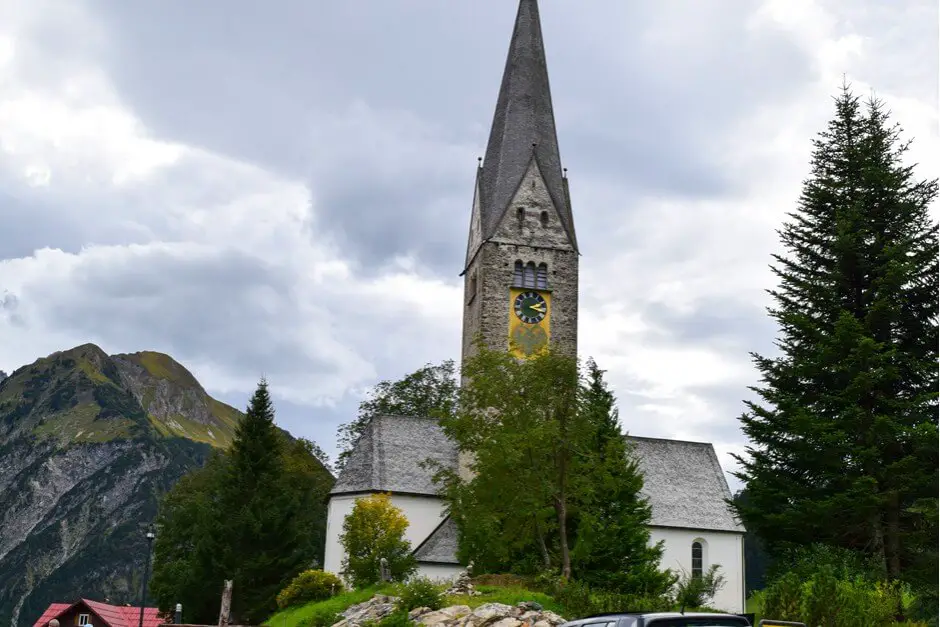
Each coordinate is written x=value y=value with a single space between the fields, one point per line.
x=284 y=187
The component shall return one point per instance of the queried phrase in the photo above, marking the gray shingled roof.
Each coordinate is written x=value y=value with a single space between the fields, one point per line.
x=441 y=546
x=388 y=455
x=684 y=484
x=524 y=116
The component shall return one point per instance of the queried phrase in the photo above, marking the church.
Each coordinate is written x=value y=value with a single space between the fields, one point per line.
x=521 y=289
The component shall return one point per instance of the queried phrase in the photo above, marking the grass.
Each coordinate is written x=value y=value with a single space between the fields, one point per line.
x=184 y=427
x=80 y=424
x=322 y=613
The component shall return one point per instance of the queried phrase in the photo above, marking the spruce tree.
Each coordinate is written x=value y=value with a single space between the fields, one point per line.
x=612 y=550
x=843 y=439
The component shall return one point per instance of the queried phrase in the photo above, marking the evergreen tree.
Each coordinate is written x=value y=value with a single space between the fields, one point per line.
x=429 y=391
x=256 y=515
x=843 y=441
x=612 y=549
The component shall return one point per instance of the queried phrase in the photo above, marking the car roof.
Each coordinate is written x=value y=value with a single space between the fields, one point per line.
x=649 y=615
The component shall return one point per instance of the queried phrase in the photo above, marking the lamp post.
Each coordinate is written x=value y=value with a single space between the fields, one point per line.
x=143 y=588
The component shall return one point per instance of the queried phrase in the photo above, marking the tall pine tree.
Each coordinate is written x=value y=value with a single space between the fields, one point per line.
x=843 y=441
x=256 y=515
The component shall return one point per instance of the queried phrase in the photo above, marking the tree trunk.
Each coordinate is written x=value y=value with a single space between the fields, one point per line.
x=892 y=538
x=561 y=507
x=546 y=558
x=226 y=604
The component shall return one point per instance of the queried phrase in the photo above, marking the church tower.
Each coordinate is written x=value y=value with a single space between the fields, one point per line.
x=521 y=268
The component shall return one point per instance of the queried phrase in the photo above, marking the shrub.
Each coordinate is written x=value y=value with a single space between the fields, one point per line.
x=696 y=592
x=310 y=585
x=419 y=592
x=579 y=601
x=826 y=600
x=398 y=618
x=783 y=598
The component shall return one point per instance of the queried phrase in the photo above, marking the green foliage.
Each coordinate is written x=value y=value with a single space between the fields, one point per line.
x=310 y=585
x=373 y=530
x=256 y=515
x=554 y=487
x=807 y=561
x=693 y=592
x=321 y=613
x=419 y=592
x=429 y=391
x=579 y=600
x=398 y=618
x=843 y=438
x=783 y=599
x=825 y=600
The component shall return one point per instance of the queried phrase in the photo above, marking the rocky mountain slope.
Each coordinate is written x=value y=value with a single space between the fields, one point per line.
x=88 y=442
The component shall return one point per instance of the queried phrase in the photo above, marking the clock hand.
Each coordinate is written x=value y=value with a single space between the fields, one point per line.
x=538 y=308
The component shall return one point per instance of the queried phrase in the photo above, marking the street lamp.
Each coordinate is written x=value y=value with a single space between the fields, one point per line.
x=143 y=588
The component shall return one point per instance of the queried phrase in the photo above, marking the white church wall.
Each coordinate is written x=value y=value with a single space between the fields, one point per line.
x=424 y=514
x=442 y=573
x=723 y=548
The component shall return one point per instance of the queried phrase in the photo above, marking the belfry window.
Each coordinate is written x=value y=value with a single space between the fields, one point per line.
x=541 y=276
x=528 y=275
x=543 y=218
x=517 y=275
x=697 y=558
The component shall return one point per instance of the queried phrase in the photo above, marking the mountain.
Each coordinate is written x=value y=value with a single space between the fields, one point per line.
x=88 y=443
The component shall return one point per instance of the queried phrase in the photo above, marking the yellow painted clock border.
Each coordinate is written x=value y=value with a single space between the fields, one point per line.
x=529 y=338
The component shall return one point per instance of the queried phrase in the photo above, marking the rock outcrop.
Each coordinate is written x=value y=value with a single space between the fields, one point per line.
x=526 y=614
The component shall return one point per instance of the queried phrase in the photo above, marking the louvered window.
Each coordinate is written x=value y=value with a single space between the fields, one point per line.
x=541 y=277
x=517 y=275
x=528 y=275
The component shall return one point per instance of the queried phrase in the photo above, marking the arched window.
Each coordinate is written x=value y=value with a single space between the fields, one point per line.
x=517 y=275
x=528 y=275
x=541 y=276
x=543 y=218
x=698 y=558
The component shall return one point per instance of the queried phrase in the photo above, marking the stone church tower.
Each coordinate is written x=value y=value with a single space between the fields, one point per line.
x=521 y=269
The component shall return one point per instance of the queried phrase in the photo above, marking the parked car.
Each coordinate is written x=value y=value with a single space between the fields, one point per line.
x=661 y=619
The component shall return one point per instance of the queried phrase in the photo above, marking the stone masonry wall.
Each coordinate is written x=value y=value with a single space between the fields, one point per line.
x=490 y=272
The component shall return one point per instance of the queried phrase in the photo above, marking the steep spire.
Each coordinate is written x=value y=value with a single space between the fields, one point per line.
x=523 y=126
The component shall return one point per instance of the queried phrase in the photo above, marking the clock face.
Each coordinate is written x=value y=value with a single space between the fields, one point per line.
x=530 y=307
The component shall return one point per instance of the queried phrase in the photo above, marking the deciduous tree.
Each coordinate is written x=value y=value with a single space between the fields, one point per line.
x=373 y=530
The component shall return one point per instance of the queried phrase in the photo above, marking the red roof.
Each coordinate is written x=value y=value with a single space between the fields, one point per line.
x=112 y=615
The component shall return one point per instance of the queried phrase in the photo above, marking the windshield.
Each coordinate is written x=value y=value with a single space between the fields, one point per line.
x=682 y=621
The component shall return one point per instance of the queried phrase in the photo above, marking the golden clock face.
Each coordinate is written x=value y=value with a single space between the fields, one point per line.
x=530 y=307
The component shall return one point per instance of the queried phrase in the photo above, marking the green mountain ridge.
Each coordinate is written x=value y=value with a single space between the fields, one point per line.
x=84 y=395
x=88 y=443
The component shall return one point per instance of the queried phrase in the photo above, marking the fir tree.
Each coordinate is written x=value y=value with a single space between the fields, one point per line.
x=612 y=547
x=256 y=515
x=843 y=441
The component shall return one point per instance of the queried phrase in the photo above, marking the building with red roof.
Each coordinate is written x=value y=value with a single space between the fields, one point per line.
x=85 y=613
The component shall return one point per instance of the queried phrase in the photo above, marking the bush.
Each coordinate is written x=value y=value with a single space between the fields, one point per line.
x=696 y=592
x=419 y=592
x=826 y=600
x=579 y=601
x=310 y=585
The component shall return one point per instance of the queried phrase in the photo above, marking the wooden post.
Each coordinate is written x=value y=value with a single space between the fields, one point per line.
x=226 y=604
